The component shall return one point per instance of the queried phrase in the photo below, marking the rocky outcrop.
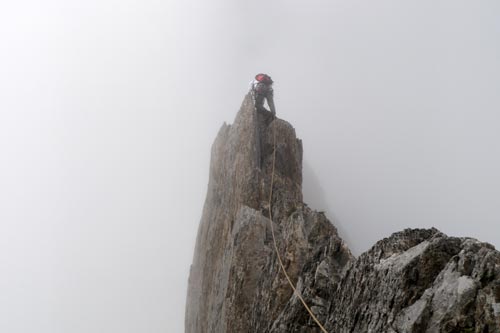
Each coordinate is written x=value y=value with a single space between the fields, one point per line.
x=420 y=281
x=414 y=281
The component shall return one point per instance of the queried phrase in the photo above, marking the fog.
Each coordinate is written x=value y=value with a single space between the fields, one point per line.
x=108 y=110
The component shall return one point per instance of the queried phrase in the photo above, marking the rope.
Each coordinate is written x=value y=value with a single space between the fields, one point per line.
x=274 y=239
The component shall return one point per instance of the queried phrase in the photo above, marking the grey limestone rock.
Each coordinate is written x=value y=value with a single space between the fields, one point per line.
x=417 y=280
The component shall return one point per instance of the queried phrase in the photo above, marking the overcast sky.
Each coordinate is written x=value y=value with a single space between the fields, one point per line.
x=108 y=110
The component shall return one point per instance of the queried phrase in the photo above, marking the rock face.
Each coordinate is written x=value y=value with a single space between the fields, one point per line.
x=420 y=281
x=414 y=281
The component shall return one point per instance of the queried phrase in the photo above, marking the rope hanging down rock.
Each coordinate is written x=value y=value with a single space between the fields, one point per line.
x=274 y=239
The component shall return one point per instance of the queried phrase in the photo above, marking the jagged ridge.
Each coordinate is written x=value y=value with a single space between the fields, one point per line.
x=414 y=281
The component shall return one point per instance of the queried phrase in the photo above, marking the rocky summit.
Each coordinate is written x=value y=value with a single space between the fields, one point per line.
x=416 y=280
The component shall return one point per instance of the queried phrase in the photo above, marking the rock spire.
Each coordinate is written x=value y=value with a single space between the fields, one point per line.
x=413 y=281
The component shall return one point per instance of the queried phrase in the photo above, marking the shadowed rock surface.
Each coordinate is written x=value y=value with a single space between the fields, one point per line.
x=414 y=281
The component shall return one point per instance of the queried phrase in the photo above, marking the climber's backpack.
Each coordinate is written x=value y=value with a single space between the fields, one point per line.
x=263 y=84
x=264 y=78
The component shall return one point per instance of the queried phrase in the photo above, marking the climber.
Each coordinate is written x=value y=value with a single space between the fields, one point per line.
x=262 y=87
